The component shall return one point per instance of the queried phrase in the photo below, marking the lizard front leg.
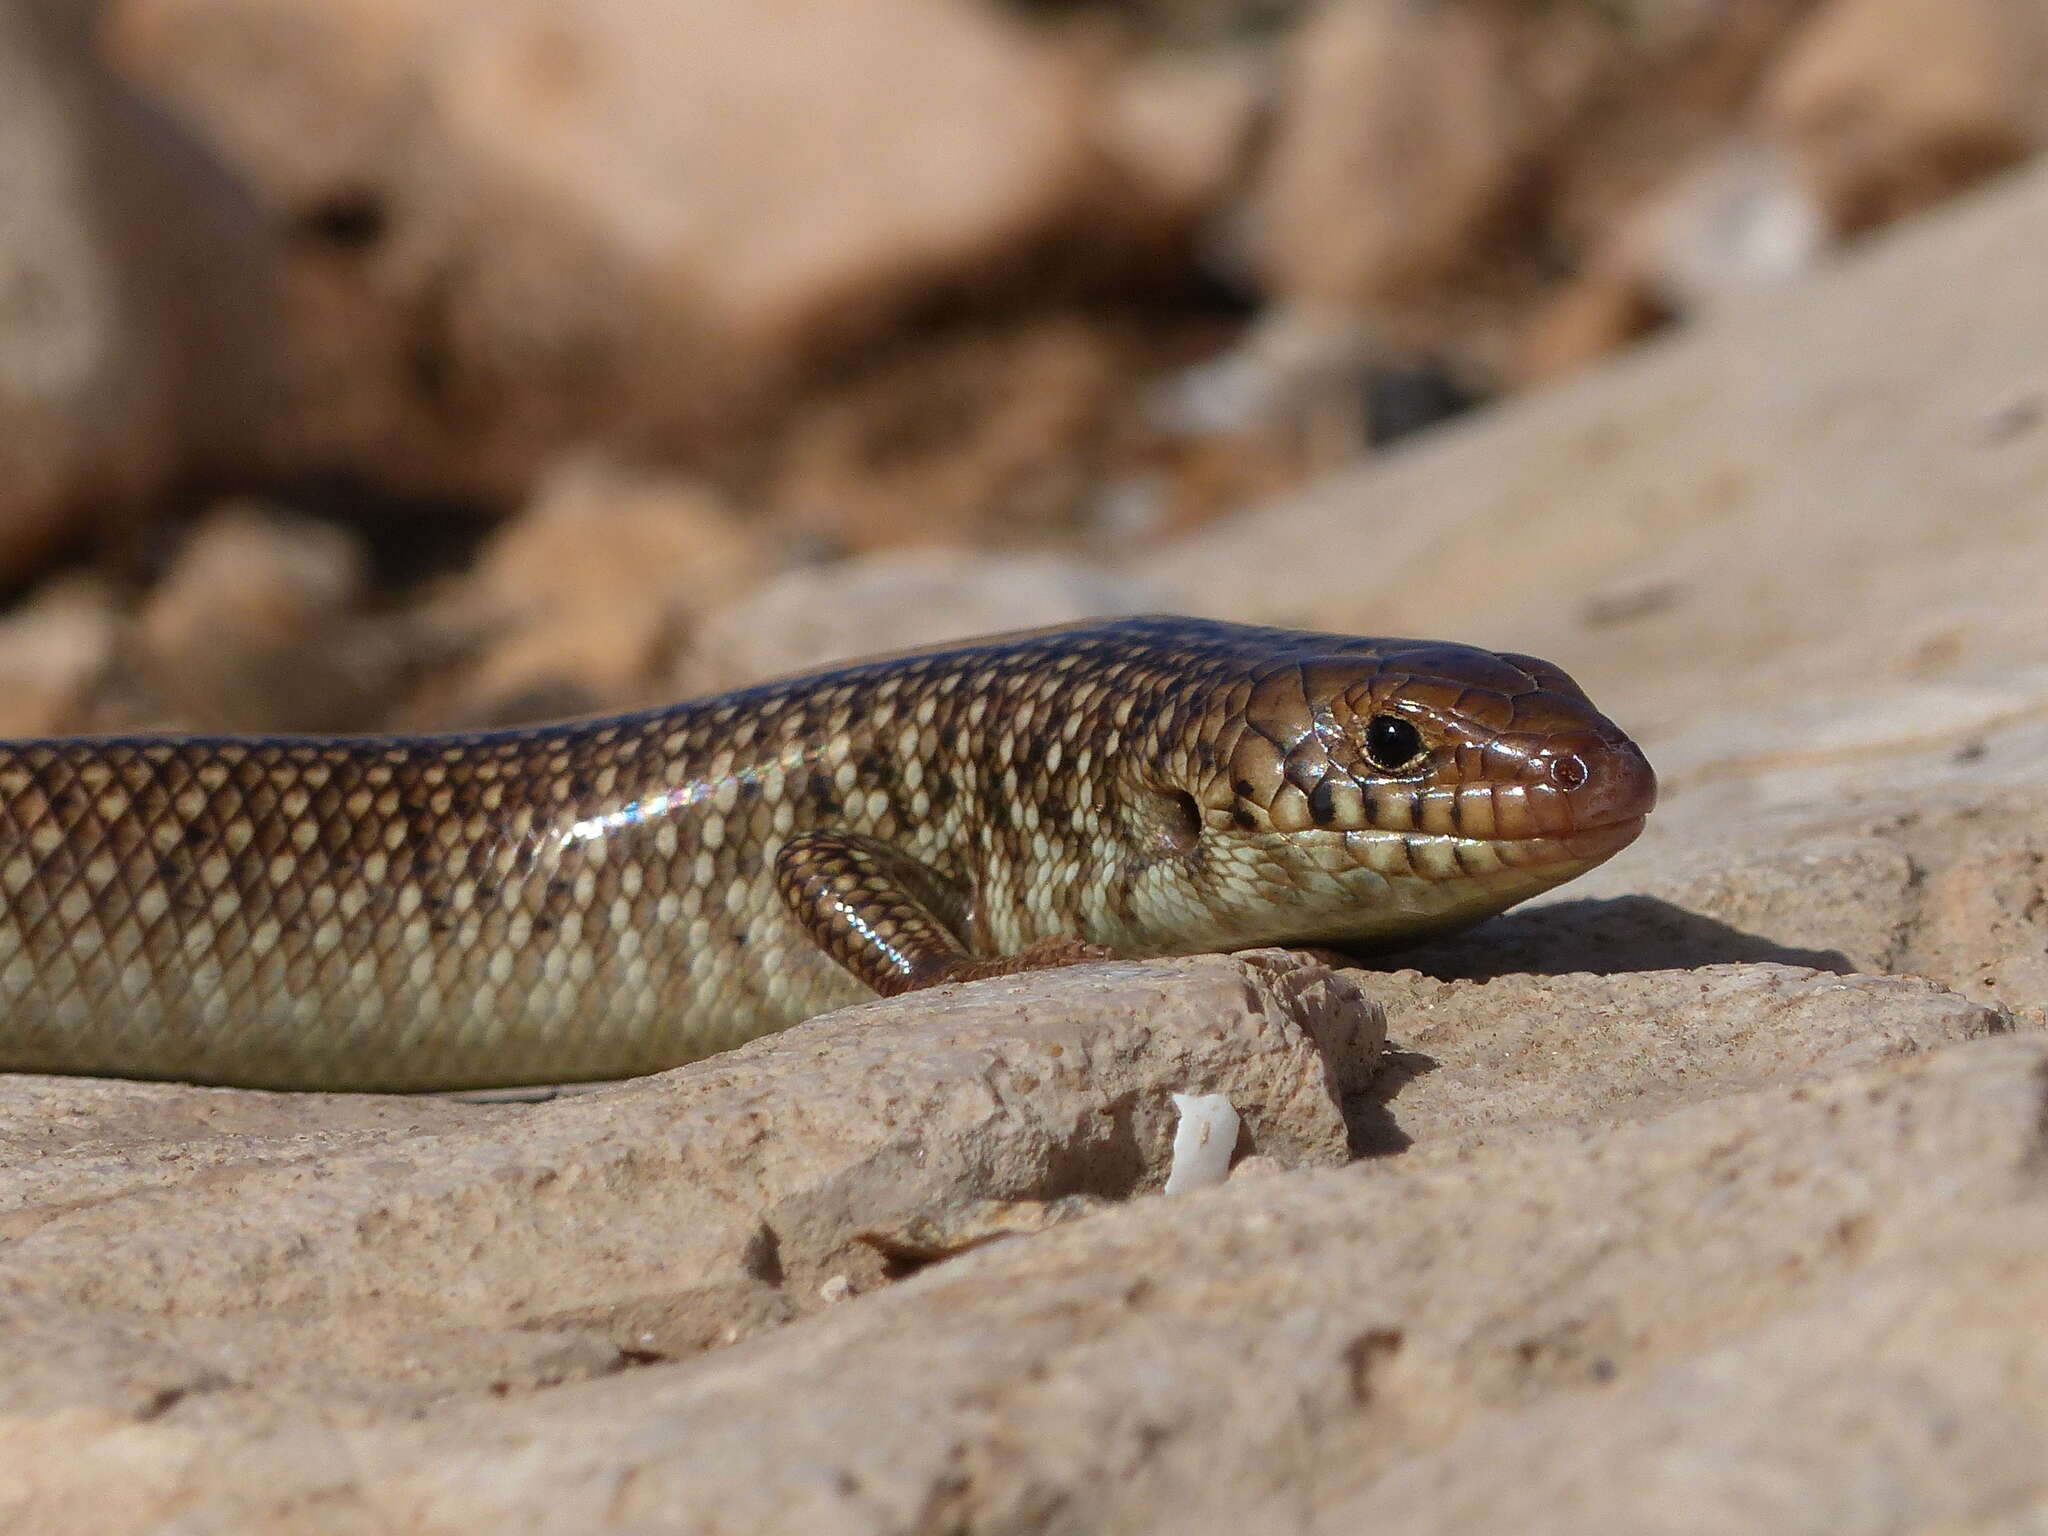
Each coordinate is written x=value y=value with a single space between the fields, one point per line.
x=877 y=911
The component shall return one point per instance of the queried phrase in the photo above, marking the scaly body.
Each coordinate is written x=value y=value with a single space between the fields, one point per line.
x=615 y=896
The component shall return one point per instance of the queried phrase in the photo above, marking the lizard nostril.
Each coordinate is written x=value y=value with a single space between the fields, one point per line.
x=1604 y=785
x=1570 y=772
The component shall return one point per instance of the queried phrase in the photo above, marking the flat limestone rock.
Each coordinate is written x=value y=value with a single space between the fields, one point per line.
x=1841 y=1415
x=1307 y=1352
x=1480 y=1062
x=1940 y=876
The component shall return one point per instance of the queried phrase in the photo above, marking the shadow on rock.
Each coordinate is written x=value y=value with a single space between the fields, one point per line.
x=1369 y=1122
x=1627 y=933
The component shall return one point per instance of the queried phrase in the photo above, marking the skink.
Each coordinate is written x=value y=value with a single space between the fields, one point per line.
x=610 y=897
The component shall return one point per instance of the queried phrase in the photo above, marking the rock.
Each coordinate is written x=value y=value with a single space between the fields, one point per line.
x=54 y=651
x=258 y=626
x=520 y=226
x=1893 y=106
x=1317 y=1344
x=1434 y=165
x=133 y=319
x=1178 y=128
x=897 y=602
x=1927 y=877
x=779 y=205
x=1403 y=127
x=1394 y=1305
x=580 y=603
x=1840 y=1415
x=1525 y=1054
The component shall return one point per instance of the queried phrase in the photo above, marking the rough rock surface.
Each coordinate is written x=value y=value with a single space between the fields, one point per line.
x=1705 y=1195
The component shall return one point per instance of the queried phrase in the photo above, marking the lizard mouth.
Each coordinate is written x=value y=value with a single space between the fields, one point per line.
x=1581 y=801
x=1602 y=842
x=1595 y=799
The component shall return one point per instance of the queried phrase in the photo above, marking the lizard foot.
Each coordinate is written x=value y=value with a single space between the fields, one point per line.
x=1045 y=955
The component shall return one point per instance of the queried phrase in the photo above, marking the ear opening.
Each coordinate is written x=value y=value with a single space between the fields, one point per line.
x=1180 y=824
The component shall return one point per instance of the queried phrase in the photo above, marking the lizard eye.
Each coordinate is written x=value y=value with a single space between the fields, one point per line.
x=1391 y=743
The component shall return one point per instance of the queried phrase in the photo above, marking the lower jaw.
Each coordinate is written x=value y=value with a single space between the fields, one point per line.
x=1601 y=842
x=1477 y=898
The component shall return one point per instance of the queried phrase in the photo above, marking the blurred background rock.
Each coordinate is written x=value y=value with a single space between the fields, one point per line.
x=368 y=363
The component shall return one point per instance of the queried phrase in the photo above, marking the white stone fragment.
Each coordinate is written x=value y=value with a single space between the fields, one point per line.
x=1203 y=1142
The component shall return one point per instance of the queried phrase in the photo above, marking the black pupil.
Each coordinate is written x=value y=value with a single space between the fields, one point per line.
x=1392 y=742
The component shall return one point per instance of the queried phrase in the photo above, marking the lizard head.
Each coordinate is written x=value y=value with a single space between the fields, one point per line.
x=1378 y=792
